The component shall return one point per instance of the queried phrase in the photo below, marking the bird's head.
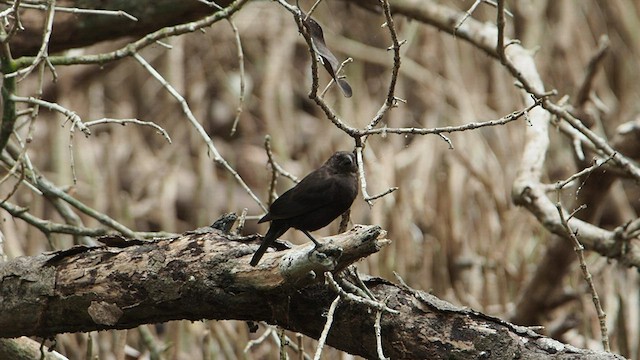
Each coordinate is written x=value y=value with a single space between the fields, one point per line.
x=343 y=162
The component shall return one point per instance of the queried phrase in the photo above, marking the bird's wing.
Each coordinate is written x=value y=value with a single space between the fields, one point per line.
x=308 y=195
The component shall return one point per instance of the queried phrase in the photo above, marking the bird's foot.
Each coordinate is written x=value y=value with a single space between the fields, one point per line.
x=325 y=255
x=318 y=247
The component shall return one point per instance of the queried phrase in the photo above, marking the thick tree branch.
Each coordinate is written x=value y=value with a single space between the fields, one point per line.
x=73 y=30
x=205 y=274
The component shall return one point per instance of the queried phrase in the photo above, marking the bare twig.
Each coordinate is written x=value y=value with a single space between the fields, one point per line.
x=357 y=299
x=363 y=180
x=271 y=331
x=473 y=7
x=450 y=129
x=200 y=130
x=124 y=122
x=80 y=10
x=76 y=121
x=313 y=8
x=211 y=3
x=467 y=14
x=390 y=24
x=17 y=25
x=296 y=346
x=23 y=157
x=242 y=76
x=50 y=190
x=600 y=144
x=384 y=193
x=361 y=175
x=598 y=163
x=327 y=327
x=259 y=340
x=46 y=35
x=391 y=100
x=48 y=227
x=12 y=172
x=353 y=288
x=378 y=330
x=274 y=164
x=274 y=172
x=579 y=249
x=33 y=116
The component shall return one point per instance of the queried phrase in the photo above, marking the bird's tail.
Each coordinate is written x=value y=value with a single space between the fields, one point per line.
x=275 y=231
x=258 y=255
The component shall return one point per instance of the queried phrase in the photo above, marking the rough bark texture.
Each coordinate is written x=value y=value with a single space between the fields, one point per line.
x=426 y=328
x=206 y=275
x=194 y=276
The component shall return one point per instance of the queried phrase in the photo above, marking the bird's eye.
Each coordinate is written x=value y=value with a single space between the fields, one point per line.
x=347 y=161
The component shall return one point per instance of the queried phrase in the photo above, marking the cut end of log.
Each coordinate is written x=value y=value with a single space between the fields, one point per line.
x=300 y=264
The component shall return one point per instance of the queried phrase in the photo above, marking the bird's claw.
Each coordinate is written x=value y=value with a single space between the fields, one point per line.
x=317 y=255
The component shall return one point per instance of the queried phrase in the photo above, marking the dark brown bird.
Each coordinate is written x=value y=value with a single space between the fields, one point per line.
x=316 y=201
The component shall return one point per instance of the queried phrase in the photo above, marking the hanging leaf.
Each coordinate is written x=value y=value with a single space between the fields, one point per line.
x=329 y=61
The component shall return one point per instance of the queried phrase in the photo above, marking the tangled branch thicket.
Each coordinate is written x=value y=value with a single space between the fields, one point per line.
x=514 y=119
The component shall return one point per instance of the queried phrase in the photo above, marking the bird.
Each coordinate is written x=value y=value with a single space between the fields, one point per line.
x=321 y=196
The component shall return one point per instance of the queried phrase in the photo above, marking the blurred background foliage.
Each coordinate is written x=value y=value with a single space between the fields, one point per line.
x=454 y=229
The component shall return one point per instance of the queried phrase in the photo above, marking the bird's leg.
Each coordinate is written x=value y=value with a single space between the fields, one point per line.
x=312 y=238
